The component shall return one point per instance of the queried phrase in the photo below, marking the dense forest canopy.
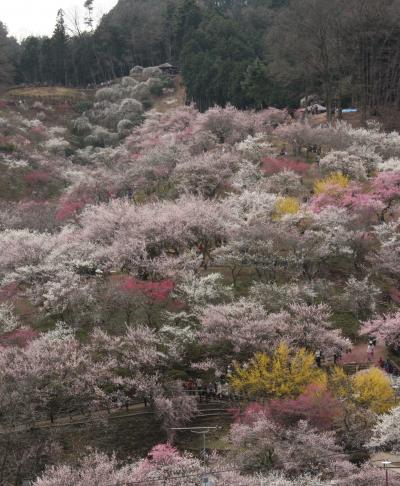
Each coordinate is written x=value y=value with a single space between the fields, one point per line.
x=251 y=53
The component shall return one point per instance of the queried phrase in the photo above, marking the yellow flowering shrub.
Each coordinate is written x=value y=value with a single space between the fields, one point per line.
x=286 y=205
x=373 y=390
x=340 y=383
x=333 y=181
x=281 y=375
x=369 y=389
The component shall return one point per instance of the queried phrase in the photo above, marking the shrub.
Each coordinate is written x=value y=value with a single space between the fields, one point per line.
x=101 y=137
x=37 y=177
x=373 y=390
x=151 y=72
x=130 y=105
x=57 y=145
x=38 y=105
x=155 y=85
x=136 y=71
x=286 y=183
x=285 y=206
x=349 y=165
x=82 y=126
x=83 y=105
x=7 y=146
x=128 y=81
x=282 y=375
x=334 y=181
x=41 y=116
x=124 y=126
x=272 y=165
x=316 y=405
x=104 y=94
x=141 y=92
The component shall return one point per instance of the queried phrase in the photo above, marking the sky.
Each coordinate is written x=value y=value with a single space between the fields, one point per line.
x=37 y=17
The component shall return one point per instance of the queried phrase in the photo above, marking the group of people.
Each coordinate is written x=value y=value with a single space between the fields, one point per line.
x=217 y=390
x=386 y=365
x=319 y=357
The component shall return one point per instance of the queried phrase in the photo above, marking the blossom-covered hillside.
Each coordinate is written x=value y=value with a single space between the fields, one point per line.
x=182 y=258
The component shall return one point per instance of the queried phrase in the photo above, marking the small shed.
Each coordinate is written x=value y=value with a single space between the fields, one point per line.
x=169 y=69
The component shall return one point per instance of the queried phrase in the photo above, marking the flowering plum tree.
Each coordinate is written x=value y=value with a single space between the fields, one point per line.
x=386 y=327
x=8 y=320
x=246 y=326
x=386 y=432
x=51 y=376
x=272 y=166
x=348 y=164
x=296 y=450
x=22 y=247
x=205 y=175
x=316 y=405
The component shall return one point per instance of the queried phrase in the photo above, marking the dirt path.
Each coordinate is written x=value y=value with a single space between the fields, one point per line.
x=376 y=460
x=207 y=409
x=359 y=354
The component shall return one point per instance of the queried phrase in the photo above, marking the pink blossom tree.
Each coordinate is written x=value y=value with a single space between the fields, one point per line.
x=296 y=450
x=386 y=432
x=163 y=463
x=316 y=405
x=246 y=327
x=385 y=327
x=54 y=374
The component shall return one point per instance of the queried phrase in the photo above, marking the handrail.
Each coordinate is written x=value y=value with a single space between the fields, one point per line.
x=394 y=365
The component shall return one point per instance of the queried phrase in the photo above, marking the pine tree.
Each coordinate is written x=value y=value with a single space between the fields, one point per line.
x=6 y=67
x=256 y=84
x=59 y=48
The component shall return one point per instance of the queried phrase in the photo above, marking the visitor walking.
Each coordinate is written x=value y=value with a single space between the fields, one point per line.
x=219 y=390
x=210 y=393
x=370 y=351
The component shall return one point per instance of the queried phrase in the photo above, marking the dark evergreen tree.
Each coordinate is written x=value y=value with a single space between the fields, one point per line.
x=214 y=62
x=59 y=51
x=30 y=62
x=257 y=85
x=187 y=20
x=6 y=64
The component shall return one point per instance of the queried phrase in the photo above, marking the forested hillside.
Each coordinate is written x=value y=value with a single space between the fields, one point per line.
x=250 y=53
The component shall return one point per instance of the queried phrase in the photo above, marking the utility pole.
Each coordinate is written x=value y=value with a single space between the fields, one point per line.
x=386 y=465
x=206 y=480
x=201 y=431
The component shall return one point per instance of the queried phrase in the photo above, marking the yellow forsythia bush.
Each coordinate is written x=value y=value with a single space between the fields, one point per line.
x=373 y=390
x=369 y=389
x=284 y=374
x=334 y=180
x=286 y=205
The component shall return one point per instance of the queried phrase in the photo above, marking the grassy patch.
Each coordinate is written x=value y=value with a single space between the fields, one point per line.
x=348 y=324
x=46 y=92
